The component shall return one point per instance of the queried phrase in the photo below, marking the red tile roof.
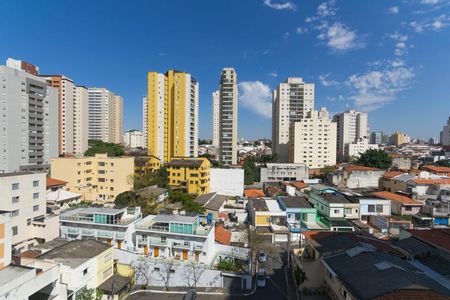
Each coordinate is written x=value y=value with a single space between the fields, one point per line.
x=253 y=193
x=412 y=294
x=360 y=168
x=392 y=174
x=438 y=237
x=396 y=197
x=54 y=182
x=432 y=181
x=222 y=235
x=299 y=185
x=436 y=169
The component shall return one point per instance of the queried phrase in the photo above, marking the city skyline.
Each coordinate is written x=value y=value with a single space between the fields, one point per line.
x=390 y=70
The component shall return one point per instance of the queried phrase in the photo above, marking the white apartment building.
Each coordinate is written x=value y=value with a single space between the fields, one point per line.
x=228 y=117
x=215 y=118
x=23 y=196
x=445 y=134
x=29 y=120
x=133 y=139
x=351 y=126
x=291 y=101
x=176 y=237
x=144 y=122
x=72 y=112
x=113 y=225
x=228 y=182
x=358 y=147
x=104 y=115
x=313 y=140
x=284 y=172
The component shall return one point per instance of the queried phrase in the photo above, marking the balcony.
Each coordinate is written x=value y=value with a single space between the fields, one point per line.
x=105 y=234
x=157 y=242
x=181 y=245
x=153 y=228
x=143 y=241
x=71 y=230
x=88 y=232
x=120 y=235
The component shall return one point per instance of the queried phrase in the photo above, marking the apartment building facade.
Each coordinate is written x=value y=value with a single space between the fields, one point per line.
x=191 y=175
x=29 y=118
x=284 y=172
x=312 y=140
x=215 y=118
x=97 y=178
x=111 y=225
x=291 y=102
x=172 y=115
x=351 y=126
x=133 y=139
x=228 y=117
x=72 y=114
x=188 y=238
x=144 y=122
x=24 y=199
x=105 y=115
x=445 y=134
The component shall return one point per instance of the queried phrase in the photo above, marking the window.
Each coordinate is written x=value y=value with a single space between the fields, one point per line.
x=85 y=271
x=36 y=208
x=108 y=257
x=15 y=213
x=35 y=195
x=371 y=208
x=35 y=183
x=336 y=211
x=408 y=208
x=15 y=230
x=15 y=186
x=347 y=211
x=107 y=272
x=15 y=199
x=379 y=208
x=29 y=222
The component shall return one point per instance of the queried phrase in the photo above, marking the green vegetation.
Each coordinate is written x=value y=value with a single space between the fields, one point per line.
x=89 y=294
x=229 y=265
x=375 y=158
x=327 y=169
x=159 y=178
x=131 y=198
x=443 y=163
x=97 y=146
x=204 y=142
x=251 y=171
x=187 y=201
x=82 y=203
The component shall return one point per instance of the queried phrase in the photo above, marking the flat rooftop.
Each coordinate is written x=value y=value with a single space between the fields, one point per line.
x=93 y=210
x=20 y=173
x=295 y=202
x=75 y=253
x=13 y=271
x=335 y=198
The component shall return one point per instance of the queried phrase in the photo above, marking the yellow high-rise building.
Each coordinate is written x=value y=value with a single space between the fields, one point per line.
x=191 y=175
x=172 y=115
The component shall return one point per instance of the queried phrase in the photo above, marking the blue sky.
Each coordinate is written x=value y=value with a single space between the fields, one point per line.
x=391 y=58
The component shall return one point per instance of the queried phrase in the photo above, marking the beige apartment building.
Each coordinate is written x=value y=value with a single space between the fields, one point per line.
x=97 y=178
x=312 y=140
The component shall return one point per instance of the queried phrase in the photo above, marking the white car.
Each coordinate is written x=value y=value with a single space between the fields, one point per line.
x=262 y=257
x=261 y=278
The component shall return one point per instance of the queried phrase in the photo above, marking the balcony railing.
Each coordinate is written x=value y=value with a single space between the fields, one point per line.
x=106 y=234
x=89 y=232
x=157 y=242
x=91 y=220
x=153 y=228
x=73 y=230
x=181 y=245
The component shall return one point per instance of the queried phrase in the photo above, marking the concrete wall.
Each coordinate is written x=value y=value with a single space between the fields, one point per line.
x=229 y=182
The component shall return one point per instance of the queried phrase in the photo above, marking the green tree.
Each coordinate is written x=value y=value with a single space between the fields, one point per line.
x=187 y=201
x=159 y=178
x=376 y=158
x=250 y=171
x=97 y=146
x=131 y=198
x=88 y=294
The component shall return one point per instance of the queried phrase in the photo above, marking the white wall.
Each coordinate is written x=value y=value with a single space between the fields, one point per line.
x=229 y=182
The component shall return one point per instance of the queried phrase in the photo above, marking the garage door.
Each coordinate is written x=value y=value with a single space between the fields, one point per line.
x=281 y=238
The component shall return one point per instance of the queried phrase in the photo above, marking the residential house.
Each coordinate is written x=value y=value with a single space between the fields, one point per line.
x=97 y=178
x=401 y=161
x=400 y=204
x=438 y=210
x=175 y=236
x=284 y=172
x=155 y=192
x=437 y=170
x=213 y=203
x=369 y=207
x=191 y=175
x=300 y=215
x=395 y=181
x=112 y=225
x=268 y=218
x=253 y=193
x=334 y=208
x=355 y=176
x=146 y=164
x=58 y=197
x=427 y=188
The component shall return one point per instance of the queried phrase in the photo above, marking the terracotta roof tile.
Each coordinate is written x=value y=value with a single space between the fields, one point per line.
x=360 y=168
x=253 y=193
x=396 y=197
x=299 y=185
x=436 y=169
x=438 y=237
x=432 y=181
x=54 y=182
x=222 y=235
x=392 y=174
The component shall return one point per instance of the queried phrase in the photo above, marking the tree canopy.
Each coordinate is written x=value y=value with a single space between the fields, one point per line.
x=251 y=171
x=187 y=201
x=131 y=198
x=97 y=146
x=375 y=158
x=159 y=178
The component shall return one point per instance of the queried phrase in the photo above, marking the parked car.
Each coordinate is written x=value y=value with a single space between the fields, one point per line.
x=262 y=257
x=190 y=295
x=261 y=278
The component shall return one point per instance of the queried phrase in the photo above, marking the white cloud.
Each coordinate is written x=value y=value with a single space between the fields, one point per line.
x=302 y=30
x=339 y=37
x=326 y=9
x=256 y=96
x=327 y=82
x=400 y=46
x=430 y=2
x=379 y=86
x=434 y=24
x=273 y=74
x=280 y=6
x=394 y=10
x=286 y=35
